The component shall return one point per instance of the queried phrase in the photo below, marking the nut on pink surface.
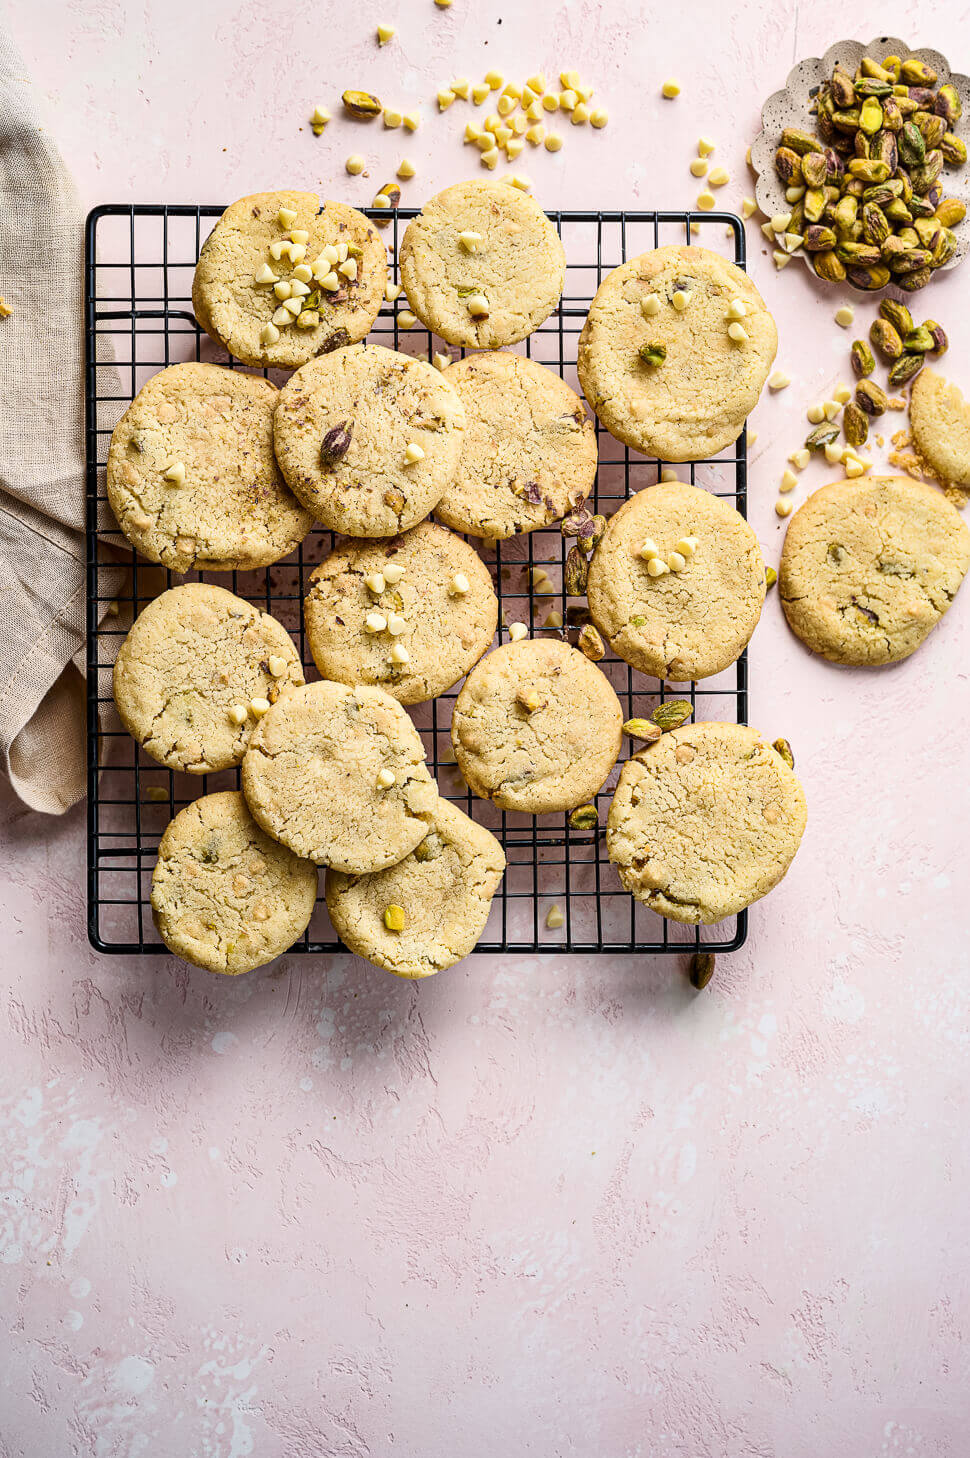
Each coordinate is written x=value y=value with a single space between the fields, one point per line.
x=543 y=1205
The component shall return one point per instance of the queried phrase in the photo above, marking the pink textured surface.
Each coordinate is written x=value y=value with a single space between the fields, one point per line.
x=541 y=1205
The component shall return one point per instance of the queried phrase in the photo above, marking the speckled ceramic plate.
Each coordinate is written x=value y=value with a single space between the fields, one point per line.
x=790 y=108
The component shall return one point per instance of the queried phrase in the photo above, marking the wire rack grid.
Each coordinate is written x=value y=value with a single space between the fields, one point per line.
x=140 y=260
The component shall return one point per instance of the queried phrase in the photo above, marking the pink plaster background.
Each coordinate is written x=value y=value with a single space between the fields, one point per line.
x=544 y=1205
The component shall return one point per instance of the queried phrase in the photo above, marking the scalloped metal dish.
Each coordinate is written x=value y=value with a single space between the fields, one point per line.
x=790 y=108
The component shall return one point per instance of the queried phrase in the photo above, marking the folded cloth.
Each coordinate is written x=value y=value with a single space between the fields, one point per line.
x=42 y=582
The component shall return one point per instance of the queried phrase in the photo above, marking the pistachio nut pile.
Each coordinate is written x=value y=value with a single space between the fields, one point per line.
x=868 y=201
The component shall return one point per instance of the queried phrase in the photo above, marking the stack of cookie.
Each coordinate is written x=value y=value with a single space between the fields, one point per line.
x=214 y=469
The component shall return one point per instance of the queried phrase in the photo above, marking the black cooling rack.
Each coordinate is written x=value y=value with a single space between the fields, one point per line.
x=138 y=314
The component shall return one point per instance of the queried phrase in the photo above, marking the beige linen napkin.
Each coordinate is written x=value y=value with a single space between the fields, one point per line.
x=41 y=457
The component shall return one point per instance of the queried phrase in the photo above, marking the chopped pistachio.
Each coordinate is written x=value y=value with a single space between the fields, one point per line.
x=395 y=918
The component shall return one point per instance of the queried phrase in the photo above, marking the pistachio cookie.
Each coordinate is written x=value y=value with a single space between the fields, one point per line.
x=536 y=727
x=197 y=669
x=369 y=439
x=283 y=277
x=192 y=477
x=656 y=360
x=225 y=896
x=940 y=421
x=704 y=822
x=870 y=566
x=482 y=265
x=529 y=449
x=409 y=613
x=428 y=911
x=677 y=582
x=338 y=775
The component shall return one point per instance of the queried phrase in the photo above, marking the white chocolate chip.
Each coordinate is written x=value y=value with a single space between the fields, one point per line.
x=413 y=453
x=650 y=306
x=412 y=120
x=854 y=468
x=303 y=273
x=477 y=306
x=748 y=207
x=375 y=623
x=788 y=481
x=706 y=201
x=282 y=318
x=831 y=409
x=833 y=453
x=374 y=581
x=599 y=117
x=299 y=235
x=276 y=250
x=470 y=241
x=298 y=289
x=238 y=713
x=265 y=275
x=517 y=631
x=649 y=550
x=406 y=169
x=783 y=506
x=719 y=176
x=269 y=334
x=393 y=573
x=445 y=97
x=392 y=291
x=782 y=259
x=670 y=89
x=406 y=320
x=681 y=299
x=698 y=167
x=738 y=333
x=286 y=217
x=704 y=146
x=737 y=309
x=845 y=315
x=460 y=584
x=282 y=289
x=687 y=546
x=348 y=269
x=330 y=283
x=395 y=624
x=384 y=34
x=399 y=654
x=258 y=707
x=815 y=414
x=297 y=252
x=293 y=307
x=657 y=567
x=355 y=164
x=553 y=142
x=175 y=472
x=800 y=458
x=779 y=380
x=441 y=361
x=842 y=393
x=676 y=562
x=385 y=779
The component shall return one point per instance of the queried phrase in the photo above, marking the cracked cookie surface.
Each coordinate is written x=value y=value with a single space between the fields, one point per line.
x=536 y=727
x=704 y=822
x=310 y=777
x=870 y=566
x=529 y=449
x=443 y=631
x=696 y=401
x=190 y=657
x=683 y=625
x=940 y=420
x=233 y=308
x=224 y=895
x=444 y=887
x=519 y=264
x=343 y=424
x=233 y=509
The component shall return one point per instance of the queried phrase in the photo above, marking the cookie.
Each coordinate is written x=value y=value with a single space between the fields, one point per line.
x=870 y=566
x=529 y=449
x=441 y=894
x=694 y=619
x=347 y=429
x=704 y=822
x=939 y=418
x=313 y=777
x=432 y=593
x=693 y=401
x=536 y=727
x=482 y=265
x=196 y=669
x=243 y=282
x=224 y=895
x=192 y=478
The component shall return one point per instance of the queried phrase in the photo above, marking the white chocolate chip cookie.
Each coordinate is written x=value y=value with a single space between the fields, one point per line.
x=224 y=895
x=426 y=592
x=691 y=397
x=315 y=770
x=705 y=821
x=482 y=265
x=441 y=893
x=244 y=282
x=186 y=675
x=693 y=618
x=940 y=420
x=369 y=439
x=536 y=727
x=869 y=567
x=192 y=478
x=529 y=449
